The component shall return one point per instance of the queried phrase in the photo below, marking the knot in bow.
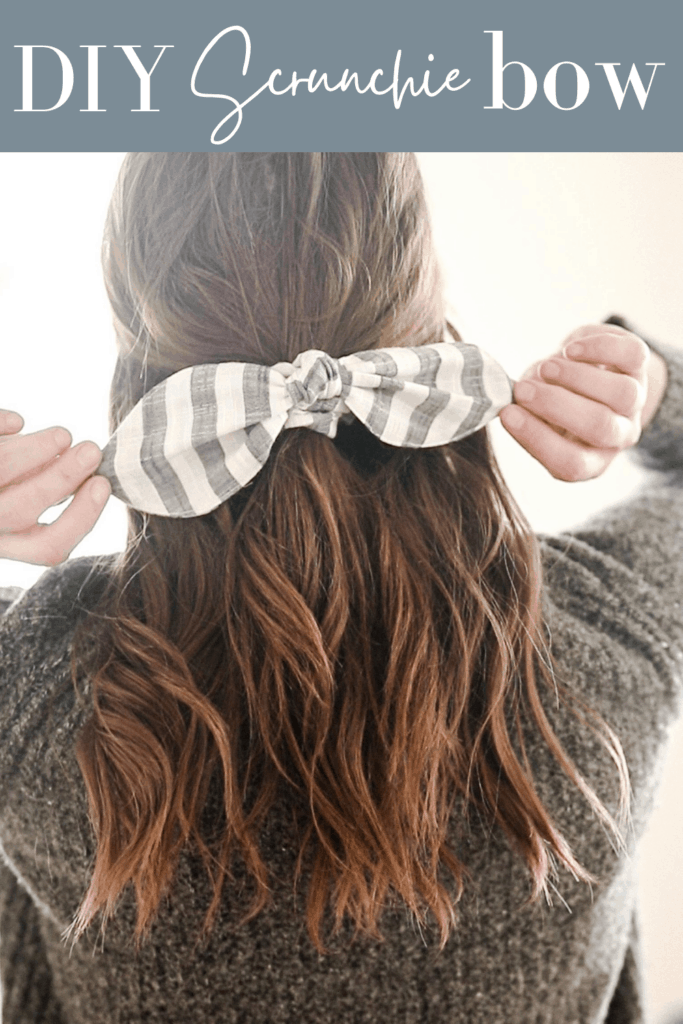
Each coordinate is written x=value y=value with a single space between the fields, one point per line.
x=316 y=385
x=315 y=377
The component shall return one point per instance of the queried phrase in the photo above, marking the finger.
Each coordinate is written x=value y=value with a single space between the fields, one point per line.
x=10 y=422
x=622 y=393
x=564 y=458
x=21 y=504
x=584 y=330
x=22 y=455
x=614 y=337
x=53 y=543
x=591 y=422
x=610 y=346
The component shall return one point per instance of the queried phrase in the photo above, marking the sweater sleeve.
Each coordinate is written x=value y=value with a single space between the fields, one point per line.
x=641 y=540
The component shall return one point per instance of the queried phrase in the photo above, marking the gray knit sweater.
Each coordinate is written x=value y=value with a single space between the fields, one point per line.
x=613 y=606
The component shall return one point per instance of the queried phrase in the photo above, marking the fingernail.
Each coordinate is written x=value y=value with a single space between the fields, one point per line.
x=574 y=349
x=513 y=417
x=99 y=490
x=88 y=454
x=550 y=370
x=61 y=437
x=524 y=391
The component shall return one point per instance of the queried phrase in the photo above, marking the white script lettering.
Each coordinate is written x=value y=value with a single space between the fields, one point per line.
x=347 y=80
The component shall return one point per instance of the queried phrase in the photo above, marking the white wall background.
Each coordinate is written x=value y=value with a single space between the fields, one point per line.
x=531 y=246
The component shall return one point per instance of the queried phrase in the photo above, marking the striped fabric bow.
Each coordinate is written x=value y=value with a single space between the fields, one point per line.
x=206 y=431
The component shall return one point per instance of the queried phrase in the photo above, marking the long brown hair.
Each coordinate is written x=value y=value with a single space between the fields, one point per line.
x=358 y=633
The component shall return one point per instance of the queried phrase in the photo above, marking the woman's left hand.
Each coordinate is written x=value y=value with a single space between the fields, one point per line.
x=577 y=410
x=38 y=471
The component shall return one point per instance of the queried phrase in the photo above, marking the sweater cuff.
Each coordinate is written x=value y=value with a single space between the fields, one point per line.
x=661 y=444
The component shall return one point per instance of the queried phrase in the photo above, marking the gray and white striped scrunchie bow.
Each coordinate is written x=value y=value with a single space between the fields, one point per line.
x=206 y=431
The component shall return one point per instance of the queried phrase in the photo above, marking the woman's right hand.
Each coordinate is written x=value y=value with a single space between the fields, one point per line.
x=577 y=410
x=38 y=471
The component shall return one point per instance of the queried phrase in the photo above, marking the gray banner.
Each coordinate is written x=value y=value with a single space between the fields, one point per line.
x=303 y=75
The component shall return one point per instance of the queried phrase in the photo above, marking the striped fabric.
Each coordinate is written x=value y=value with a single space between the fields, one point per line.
x=204 y=433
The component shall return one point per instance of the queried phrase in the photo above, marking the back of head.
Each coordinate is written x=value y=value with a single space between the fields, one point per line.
x=356 y=634
x=258 y=257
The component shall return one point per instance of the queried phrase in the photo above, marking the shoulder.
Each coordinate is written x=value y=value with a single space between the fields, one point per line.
x=622 y=572
x=36 y=635
x=39 y=709
x=53 y=606
x=599 y=593
x=43 y=813
x=617 y=644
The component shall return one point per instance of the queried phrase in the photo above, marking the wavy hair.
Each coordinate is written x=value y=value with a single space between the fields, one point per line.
x=358 y=633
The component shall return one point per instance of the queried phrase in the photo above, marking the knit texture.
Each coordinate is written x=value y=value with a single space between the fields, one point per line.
x=613 y=593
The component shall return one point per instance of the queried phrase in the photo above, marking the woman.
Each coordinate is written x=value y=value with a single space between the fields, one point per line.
x=334 y=750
